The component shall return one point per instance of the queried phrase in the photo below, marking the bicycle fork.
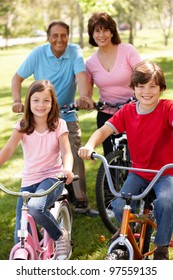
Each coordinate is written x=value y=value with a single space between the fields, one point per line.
x=129 y=239
x=122 y=240
x=23 y=250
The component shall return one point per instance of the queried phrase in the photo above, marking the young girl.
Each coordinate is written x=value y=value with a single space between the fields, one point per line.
x=46 y=149
x=149 y=128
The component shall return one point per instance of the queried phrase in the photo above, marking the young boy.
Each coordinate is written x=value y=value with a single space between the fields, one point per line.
x=149 y=127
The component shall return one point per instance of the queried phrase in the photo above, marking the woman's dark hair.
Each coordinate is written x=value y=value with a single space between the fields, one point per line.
x=59 y=23
x=145 y=71
x=103 y=20
x=27 y=124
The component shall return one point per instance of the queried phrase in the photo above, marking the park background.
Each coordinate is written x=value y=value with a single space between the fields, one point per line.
x=145 y=24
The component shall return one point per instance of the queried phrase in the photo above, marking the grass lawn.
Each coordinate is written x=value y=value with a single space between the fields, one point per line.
x=86 y=230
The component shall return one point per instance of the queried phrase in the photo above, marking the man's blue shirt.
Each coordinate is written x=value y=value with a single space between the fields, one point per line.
x=44 y=65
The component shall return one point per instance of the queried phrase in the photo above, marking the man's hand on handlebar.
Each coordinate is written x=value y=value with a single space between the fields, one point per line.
x=84 y=103
x=17 y=107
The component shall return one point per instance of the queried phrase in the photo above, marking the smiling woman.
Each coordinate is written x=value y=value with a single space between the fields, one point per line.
x=110 y=67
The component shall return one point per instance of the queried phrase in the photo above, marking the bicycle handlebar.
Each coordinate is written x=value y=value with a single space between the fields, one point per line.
x=28 y=194
x=110 y=182
x=99 y=106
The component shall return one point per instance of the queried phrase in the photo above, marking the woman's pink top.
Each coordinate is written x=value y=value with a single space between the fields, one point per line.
x=114 y=85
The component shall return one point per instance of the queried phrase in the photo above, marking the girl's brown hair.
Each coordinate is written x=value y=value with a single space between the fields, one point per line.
x=145 y=71
x=27 y=124
x=103 y=20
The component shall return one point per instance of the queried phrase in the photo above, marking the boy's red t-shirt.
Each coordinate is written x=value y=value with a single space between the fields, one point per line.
x=150 y=136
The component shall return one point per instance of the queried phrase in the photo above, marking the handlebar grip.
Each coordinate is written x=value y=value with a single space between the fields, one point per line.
x=76 y=177
x=62 y=178
x=92 y=155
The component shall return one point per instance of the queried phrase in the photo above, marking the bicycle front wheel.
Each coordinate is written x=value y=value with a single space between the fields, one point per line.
x=104 y=197
x=63 y=214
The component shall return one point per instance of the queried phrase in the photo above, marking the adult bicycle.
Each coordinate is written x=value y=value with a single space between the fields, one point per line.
x=119 y=156
x=35 y=244
x=133 y=238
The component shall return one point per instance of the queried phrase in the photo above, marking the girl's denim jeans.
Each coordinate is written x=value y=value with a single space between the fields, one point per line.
x=38 y=208
x=163 y=204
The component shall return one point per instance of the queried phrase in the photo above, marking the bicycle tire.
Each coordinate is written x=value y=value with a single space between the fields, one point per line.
x=63 y=214
x=103 y=195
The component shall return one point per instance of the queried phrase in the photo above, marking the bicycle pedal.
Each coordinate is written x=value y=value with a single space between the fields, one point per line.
x=118 y=254
x=111 y=256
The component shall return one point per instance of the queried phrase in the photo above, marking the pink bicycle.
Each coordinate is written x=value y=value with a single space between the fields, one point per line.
x=37 y=245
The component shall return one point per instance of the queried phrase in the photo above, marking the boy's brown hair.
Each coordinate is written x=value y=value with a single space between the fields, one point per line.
x=145 y=71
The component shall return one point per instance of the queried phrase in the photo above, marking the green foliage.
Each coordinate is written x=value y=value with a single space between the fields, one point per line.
x=19 y=18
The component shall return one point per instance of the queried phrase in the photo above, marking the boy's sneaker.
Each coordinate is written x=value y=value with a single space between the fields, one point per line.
x=161 y=253
x=62 y=247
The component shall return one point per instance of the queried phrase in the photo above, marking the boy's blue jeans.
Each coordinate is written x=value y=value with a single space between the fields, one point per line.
x=163 y=204
x=38 y=208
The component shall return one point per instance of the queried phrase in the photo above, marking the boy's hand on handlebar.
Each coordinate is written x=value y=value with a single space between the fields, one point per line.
x=17 y=107
x=85 y=152
x=85 y=103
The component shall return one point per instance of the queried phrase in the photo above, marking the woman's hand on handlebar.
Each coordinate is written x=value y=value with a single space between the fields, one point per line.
x=85 y=152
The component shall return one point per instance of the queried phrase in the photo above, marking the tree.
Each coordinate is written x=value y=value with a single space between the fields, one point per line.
x=21 y=17
x=164 y=13
x=6 y=14
x=131 y=12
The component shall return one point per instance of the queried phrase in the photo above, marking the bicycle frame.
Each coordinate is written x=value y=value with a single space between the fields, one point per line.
x=126 y=236
x=30 y=247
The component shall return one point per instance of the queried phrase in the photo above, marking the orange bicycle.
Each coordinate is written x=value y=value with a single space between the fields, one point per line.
x=133 y=240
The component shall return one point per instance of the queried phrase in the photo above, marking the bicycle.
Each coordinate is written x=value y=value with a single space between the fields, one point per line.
x=119 y=155
x=133 y=237
x=37 y=245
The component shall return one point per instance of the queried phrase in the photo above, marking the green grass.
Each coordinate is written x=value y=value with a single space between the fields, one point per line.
x=86 y=230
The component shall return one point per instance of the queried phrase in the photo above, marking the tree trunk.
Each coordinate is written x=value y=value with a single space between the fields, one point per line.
x=131 y=33
x=81 y=26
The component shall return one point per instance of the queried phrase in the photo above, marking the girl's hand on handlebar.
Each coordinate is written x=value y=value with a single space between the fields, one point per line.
x=85 y=152
x=69 y=175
